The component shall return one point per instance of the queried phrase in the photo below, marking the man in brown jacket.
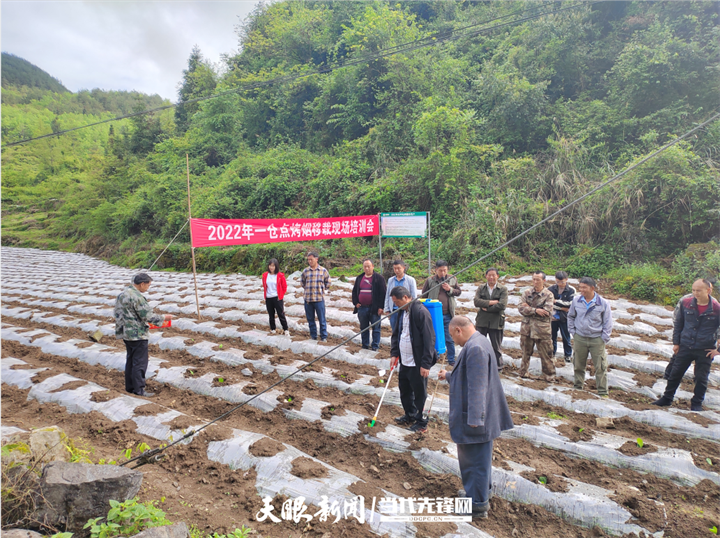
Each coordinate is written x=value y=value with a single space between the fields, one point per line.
x=491 y=300
x=536 y=306
x=444 y=289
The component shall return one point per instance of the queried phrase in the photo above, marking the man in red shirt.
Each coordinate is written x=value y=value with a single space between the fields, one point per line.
x=368 y=296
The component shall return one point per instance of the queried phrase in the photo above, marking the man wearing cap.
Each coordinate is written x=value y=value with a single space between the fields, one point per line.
x=132 y=316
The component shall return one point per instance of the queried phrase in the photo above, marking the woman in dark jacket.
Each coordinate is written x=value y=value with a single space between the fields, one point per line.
x=274 y=288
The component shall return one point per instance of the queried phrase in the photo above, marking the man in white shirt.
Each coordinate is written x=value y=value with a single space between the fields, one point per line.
x=413 y=345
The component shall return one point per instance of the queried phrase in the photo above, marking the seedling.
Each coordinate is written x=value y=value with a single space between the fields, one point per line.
x=128 y=453
x=555 y=416
x=714 y=530
x=219 y=346
x=289 y=399
x=332 y=409
x=709 y=461
x=640 y=442
x=542 y=480
x=142 y=447
x=381 y=381
x=581 y=430
x=221 y=380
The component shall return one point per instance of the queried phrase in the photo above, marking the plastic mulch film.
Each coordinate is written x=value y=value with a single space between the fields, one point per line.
x=670 y=463
x=621 y=380
x=274 y=477
x=668 y=419
x=584 y=505
x=118 y=409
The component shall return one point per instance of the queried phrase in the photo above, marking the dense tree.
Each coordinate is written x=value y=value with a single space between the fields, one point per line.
x=489 y=132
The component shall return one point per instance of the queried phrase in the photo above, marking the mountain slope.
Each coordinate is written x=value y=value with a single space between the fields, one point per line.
x=19 y=72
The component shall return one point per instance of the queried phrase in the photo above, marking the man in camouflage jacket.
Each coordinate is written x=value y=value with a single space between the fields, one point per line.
x=536 y=307
x=132 y=315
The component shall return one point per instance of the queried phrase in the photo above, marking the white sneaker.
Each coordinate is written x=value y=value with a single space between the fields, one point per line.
x=287 y=333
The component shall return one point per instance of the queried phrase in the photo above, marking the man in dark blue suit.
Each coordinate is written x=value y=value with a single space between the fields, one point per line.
x=478 y=411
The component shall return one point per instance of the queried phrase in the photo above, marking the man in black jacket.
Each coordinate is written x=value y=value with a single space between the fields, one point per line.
x=695 y=338
x=563 y=299
x=413 y=344
x=368 y=296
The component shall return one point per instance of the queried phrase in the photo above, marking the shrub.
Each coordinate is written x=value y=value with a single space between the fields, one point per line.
x=594 y=262
x=648 y=282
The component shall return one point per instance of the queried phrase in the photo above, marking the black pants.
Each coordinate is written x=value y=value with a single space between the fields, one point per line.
x=273 y=304
x=561 y=325
x=496 y=337
x=136 y=364
x=682 y=361
x=413 y=392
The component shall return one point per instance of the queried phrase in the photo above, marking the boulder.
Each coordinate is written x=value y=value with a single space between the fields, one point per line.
x=42 y=445
x=72 y=493
x=179 y=530
x=20 y=533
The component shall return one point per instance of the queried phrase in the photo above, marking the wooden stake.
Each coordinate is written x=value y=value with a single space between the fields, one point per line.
x=192 y=249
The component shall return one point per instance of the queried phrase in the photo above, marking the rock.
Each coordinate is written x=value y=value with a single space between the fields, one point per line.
x=407 y=485
x=76 y=492
x=20 y=533
x=604 y=422
x=179 y=530
x=44 y=444
x=96 y=336
x=246 y=372
x=374 y=469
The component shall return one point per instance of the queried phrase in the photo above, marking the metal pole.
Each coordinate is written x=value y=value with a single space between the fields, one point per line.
x=429 y=257
x=192 y=248
x=380 y=243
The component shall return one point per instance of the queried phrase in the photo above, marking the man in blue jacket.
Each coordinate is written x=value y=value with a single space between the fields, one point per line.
x=413 y=344
x=478 y=411
x=695 y=338
x=590 y=322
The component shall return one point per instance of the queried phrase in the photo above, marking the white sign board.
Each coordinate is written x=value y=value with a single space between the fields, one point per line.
x=403 y=224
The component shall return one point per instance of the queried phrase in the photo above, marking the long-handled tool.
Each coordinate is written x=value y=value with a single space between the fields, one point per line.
x=377 y=411
x=437 y=382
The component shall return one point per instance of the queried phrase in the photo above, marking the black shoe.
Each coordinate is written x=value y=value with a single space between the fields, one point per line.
x=404 y=420
x=696 y=407
x=568 y=359
x=366 y=347
x=147 y=394
x=418 y=427
x=480 y=514
x=375 y=349
x=663 y=402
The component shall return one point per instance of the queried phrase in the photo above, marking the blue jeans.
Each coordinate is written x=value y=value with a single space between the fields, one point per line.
x=394 y=317
x=449 y=344
x=310 y=310
x=367 y=316
x=565 y=333
x=475 y=461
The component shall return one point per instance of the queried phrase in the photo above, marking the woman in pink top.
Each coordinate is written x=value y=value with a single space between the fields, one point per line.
x=274 y=288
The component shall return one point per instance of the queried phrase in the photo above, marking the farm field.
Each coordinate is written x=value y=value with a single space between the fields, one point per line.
x=557 y=473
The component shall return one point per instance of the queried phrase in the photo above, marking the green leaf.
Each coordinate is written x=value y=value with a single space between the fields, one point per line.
x=640 y=442
x=714 y=529
x=542 y=480
x=709 y=461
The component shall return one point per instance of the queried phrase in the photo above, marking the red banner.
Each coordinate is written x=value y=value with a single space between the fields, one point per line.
x=221 y=232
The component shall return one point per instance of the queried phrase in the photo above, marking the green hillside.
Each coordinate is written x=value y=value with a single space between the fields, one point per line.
x=19 y=72
x=489 y=132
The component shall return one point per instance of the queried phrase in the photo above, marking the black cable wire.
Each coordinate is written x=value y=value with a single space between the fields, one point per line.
x=153 y=454
x=439 y=37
